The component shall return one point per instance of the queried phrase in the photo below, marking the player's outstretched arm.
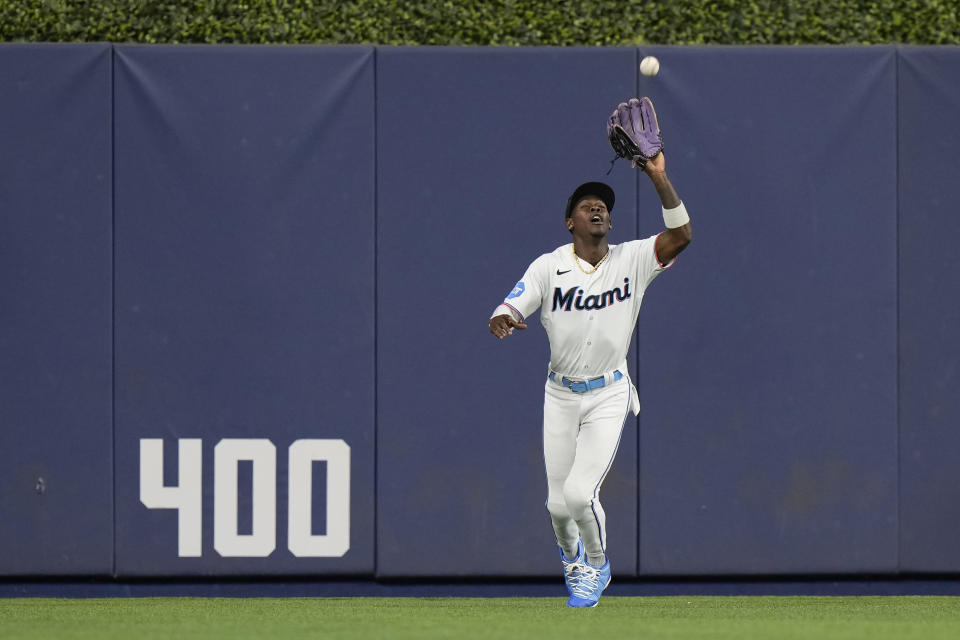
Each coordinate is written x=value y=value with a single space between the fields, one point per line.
x=503 y=325
x=672 y=241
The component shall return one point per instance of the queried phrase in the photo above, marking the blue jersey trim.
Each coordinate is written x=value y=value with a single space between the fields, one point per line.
x=507 y=304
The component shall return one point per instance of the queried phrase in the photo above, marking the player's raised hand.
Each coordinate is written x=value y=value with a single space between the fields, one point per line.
x=503 y=325
x=654 y=165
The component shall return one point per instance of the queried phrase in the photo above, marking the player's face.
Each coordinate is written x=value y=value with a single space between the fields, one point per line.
x=590 y=217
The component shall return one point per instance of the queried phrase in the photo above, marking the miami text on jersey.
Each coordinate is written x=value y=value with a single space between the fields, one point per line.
x=573 y=298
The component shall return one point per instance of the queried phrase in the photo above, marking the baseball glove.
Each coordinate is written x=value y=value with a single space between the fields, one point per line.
x=634 y=132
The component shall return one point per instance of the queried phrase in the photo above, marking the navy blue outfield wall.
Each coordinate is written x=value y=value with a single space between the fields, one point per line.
x=242 y=310
x=768 y=358
x=929 y=338
x=244 y=291
x=56 y=453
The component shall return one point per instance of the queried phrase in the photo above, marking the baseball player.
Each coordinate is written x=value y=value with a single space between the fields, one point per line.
x=589 y=293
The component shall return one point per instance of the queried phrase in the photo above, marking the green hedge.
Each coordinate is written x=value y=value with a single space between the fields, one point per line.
x=477 y=22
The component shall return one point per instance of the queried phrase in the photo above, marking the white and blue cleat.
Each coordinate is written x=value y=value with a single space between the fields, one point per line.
x=571 y=567
x=587 y=584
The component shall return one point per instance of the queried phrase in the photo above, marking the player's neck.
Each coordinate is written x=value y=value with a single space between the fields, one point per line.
x=590 y=249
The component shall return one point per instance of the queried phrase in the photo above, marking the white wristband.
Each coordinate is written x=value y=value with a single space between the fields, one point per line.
x=676 y=217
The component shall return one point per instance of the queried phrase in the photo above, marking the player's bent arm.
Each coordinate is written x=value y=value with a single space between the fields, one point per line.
x=678 y=234
x=656 y=169
x=522 y=301
x=671 y=242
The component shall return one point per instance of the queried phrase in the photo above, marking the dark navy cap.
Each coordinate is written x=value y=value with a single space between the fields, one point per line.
x=597 y=189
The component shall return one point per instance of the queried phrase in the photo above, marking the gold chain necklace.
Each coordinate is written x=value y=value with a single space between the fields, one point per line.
x=573 y=250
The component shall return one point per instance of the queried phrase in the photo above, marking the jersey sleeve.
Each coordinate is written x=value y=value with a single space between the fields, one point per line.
x=527 y=295
x=645 y=258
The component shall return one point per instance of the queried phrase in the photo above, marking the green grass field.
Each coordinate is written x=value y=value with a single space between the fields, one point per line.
x=768 y=618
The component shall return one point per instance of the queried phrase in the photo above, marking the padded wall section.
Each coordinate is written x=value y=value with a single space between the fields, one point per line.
x=478 y=150
x=56 y=473
x=245 y=294
x=929 y=101
x=270 y=202
x=769 y=435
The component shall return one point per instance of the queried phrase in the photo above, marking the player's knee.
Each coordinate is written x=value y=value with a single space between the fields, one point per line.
x=578 y=499
x=557 y=509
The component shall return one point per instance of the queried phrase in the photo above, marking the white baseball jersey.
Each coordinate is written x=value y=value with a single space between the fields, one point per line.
x=589 y=318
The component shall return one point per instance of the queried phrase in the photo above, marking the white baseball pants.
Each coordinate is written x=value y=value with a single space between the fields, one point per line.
x=581 y=433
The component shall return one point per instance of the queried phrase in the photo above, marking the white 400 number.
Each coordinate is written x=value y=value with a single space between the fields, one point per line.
x=186 y=496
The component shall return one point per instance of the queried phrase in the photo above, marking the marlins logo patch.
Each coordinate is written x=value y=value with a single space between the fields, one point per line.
x=517 y=290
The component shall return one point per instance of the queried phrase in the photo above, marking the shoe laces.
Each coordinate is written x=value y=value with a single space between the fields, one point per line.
x=571 y=568
x=585 y=581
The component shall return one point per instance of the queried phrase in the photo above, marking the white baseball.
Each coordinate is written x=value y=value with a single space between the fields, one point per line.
x=649 y=66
